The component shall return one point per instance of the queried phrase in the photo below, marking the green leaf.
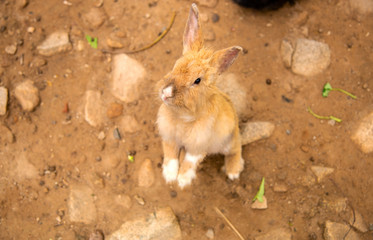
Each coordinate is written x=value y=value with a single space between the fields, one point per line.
x=92 y=41
x=260 y=193
x=327 y=88
x=131 y=158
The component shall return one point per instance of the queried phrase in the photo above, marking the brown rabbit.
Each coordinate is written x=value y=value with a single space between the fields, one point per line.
x=195 y=116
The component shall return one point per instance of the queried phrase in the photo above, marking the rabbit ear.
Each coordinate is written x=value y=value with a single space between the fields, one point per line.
x=222 y=59
x=193 y=39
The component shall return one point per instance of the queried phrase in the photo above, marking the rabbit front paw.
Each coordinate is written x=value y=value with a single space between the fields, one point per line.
x=170 y=170
x=185 y=179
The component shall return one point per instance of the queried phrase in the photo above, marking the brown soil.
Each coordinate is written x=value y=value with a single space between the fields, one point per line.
x=65 y=149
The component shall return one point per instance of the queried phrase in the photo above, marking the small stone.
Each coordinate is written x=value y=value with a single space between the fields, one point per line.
x=6 y=136
x=280 y=188
x=277 y=234
x=208 y=3
x=129 y=124
x=57 y=42
x=113 y=43
x=139 y=200
x=286 y=50
x=254 y=131
x=260 y=205
x=93 y=110
x=31 y=29
x=209 y=35
x=210 y=233
x=173 y=193
x=101 y=135
x=363 y=136
x=159 y=225
x=304 y=148
x=27 y=95
x=338 y=231
x=11 y=49
x=114 y=110
x=94 y=18
x=357 y=222
x=3 y=100
x=81 y=205
x=365 y=85
x=321 y=172
x=127 y=76
x=38 y=62
x=116 y=134
x=146 y=174
x=215 y=18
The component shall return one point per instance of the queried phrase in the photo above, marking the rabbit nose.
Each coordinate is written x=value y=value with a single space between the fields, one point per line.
x=167 y=92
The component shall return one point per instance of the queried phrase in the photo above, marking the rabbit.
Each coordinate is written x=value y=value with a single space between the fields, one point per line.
x=196 y=118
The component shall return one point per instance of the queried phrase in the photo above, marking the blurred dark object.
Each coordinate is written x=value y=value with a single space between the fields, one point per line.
x=264 y=4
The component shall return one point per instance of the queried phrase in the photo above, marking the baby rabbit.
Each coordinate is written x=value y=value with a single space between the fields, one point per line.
x=195 y=116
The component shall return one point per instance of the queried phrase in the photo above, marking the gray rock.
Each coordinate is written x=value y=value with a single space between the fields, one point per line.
x=160 y=225
x=310 y=57
x=57 y=42
x=3 y=100
x=358 y=223
x=362 y=6
x=81 y=205
x=94 y=18
x=208 y=3
x=286 y=50
x=127 y=76
x=321 y=172
x=11 y=49
x=146 y=174
x=363 y=136
x=337 y=231
x=129 y=124
x=254 y=131
x=93 y=110
x=229 y=84
x=277 y=234
x=27 y=95
x=6 y=136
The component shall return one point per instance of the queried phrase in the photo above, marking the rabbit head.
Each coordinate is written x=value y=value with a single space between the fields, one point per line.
x=191 y=82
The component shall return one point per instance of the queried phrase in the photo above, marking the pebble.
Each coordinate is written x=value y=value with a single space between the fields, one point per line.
x=57 y=42
x=93 y=110
x=3 y=100
x=94 y=18
x=38 y=62
x=173 y=193
x=6 y=135
x=146 y=175
x=260 y=205
x=254 y=131
x=11 y=49
x=31 y=29
x=114 y=110
x=321 y=172
x=215 y=18
x=116 y=134
x=101 y=135
x=363 y=136
x=304 y=148
x=139 y=200
x=113 y=43
x=210 y=233
x=27 y=95
x=159 y=224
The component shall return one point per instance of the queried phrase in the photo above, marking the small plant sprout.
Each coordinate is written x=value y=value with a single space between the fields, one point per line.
x=131 y=158
x=92 y=41
x=259 y=195
x=327 y=88
x=323 y=117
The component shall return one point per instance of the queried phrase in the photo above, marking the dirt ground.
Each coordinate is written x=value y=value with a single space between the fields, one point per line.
x=65 y=150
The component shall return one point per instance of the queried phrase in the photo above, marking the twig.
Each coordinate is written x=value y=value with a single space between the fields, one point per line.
x=323 y=117
x=229 y=223
x=148 y=46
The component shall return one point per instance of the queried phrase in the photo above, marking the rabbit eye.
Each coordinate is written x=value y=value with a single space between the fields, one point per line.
x=197 y=81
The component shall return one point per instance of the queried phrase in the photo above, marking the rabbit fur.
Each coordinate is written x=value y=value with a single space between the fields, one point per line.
x=196 y=118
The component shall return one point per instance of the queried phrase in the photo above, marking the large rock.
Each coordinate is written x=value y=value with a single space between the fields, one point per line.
x=146 y=174
x=126 y=78
x=310 y=57
x=277 y=234
x=3 y=100
x=57 y=42
x=160 y=225
x=362 y=6
x=27 y=95
x=338 y=231
x=254 y=131
x=81 y=205
x=93 y=110
x=363 y=136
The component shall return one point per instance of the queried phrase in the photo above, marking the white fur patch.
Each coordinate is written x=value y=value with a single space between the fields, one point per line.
x=194 y=159
x=186 y=178
x=170 y=170
x=233 y=176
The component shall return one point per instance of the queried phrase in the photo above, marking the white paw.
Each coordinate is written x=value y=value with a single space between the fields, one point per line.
x=170 y=170
x=186 y=178
x=234 y=176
